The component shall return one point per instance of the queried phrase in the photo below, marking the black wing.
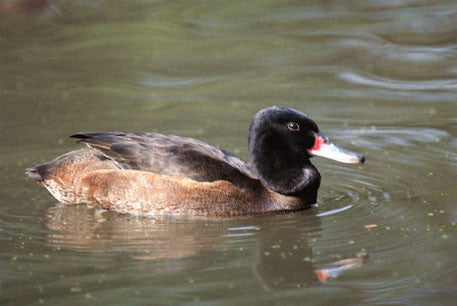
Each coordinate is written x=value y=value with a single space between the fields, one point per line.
x=169 y=155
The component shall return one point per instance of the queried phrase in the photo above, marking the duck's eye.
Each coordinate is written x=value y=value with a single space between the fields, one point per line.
x=294 y=127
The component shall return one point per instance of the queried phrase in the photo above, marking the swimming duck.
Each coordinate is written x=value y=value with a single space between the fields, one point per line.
x=150 y=173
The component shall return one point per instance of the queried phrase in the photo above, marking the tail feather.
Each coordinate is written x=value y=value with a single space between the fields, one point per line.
x=33 y=173
x=39 y=172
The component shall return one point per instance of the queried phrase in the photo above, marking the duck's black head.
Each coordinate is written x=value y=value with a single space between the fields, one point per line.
x=281 y=142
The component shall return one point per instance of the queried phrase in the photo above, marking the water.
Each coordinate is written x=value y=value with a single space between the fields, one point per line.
x=379 y=77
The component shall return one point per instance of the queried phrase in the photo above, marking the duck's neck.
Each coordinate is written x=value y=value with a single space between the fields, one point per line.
x=288 y=173
x=278 y=202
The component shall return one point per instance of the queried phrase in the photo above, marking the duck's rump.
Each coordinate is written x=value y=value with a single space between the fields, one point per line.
x=63 y=175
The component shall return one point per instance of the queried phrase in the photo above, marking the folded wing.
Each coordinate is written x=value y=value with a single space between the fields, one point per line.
x=169 y=155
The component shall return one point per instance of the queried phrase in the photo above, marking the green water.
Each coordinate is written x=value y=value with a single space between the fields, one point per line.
x=379 y=77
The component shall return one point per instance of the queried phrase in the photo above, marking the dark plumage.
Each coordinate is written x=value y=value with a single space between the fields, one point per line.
x=149 y=173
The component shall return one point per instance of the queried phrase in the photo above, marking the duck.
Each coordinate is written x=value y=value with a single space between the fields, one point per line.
x=159 y=174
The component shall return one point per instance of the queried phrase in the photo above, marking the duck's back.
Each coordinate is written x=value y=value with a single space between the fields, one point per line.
x=169 y=155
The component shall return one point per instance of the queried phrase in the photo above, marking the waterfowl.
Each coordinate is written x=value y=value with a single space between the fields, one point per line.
x=150 y=173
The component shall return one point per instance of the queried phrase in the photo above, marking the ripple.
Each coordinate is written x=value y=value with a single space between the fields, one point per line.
x=393 y=215
x=397 y=61
x=334 y=211
x=156 y=81
x=382 y=137
x=374 y=81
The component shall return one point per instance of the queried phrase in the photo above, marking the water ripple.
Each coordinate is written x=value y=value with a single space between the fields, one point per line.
x=374 y=81
x=376 y=137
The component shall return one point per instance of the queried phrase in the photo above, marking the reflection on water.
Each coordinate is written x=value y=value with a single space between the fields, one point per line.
x=283 y=255
x=379 y=77
x=80 y=228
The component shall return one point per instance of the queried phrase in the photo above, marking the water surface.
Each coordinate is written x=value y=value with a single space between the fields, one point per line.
x=379 y=77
